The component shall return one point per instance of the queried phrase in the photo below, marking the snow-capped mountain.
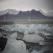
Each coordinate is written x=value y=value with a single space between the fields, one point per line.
x=9 y=11
x=12 y=14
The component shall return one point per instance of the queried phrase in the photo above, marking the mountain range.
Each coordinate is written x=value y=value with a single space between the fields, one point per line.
x=12 y=14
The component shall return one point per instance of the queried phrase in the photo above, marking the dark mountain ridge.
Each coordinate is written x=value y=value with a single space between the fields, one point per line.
x=14 y=14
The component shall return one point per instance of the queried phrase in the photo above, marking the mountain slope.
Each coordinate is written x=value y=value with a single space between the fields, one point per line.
x=12 y=14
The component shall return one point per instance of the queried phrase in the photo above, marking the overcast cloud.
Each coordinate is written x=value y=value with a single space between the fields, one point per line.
x=26 y=4
x=45 y=5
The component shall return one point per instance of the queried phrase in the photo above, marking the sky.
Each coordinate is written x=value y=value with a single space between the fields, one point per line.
x=45 y=5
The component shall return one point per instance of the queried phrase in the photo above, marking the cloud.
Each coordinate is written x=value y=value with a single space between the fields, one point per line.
x=2 y=0
x=45 y=5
